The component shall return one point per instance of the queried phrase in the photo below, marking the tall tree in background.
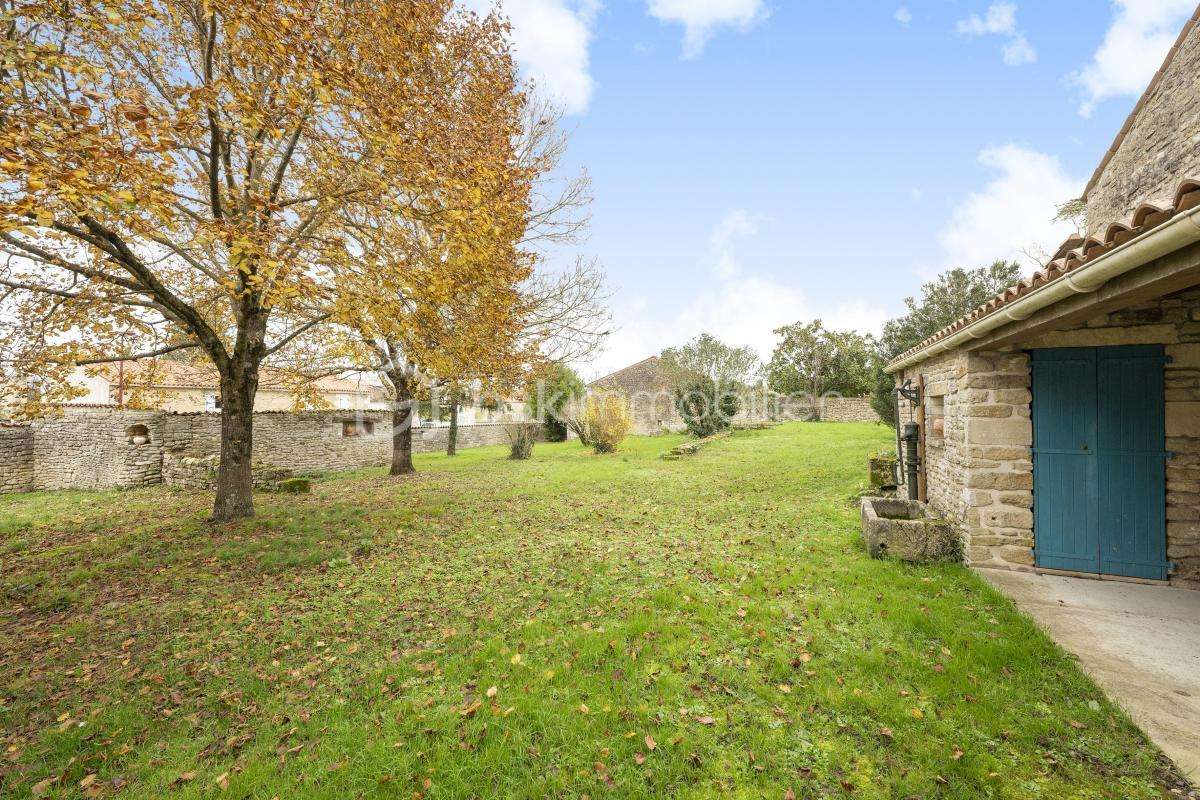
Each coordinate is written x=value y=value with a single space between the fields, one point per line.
x=550 y=396
x=708 y=356
x=814 y=361
x=181 y=175
x=944 y=300
x=478 y=311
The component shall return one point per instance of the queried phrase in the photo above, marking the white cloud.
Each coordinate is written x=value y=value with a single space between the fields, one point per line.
x=1137 y=41
x=732 y=303
x=1012 y=217
x=1001 y=20
x=702 y=18
x=551 y=39
x=903 y=15
x=1019 y=51
x=736 y=224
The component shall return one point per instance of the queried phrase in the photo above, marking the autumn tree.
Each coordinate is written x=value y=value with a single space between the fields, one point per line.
x=500 y=315
x=177 y=175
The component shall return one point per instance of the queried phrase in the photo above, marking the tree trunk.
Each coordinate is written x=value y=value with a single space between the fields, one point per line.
x=402 y=420
x=452 y=437
x=235 y=486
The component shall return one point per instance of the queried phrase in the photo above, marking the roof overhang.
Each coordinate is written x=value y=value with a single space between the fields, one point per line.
x=1178 y=232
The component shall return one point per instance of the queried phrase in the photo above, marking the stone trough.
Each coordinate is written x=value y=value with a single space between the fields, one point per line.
x=904 y=529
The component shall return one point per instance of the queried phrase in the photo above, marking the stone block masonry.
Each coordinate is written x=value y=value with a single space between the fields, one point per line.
x=16 y=458
x=107 y=448
x=979 y=466
x=847 y=409
x=97 y=448
x=1160 y=148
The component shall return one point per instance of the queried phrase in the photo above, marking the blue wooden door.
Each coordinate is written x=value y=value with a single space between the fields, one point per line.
x=1064 y=466
x=1131 y=464
x=1099 y=461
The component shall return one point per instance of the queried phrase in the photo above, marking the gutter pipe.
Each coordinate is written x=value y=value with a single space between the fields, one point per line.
x=1174 y=234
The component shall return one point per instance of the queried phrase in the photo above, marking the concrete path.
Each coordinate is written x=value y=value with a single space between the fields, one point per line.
x=1140 y=643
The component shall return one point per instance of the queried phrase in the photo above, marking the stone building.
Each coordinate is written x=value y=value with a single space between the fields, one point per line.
x=1060 y=421
x=648 y=390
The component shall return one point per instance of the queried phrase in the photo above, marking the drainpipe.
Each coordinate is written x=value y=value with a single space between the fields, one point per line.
x=1174 y=234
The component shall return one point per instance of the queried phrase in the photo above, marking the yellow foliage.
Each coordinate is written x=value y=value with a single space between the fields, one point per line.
x=608 y=421
x=248 y=180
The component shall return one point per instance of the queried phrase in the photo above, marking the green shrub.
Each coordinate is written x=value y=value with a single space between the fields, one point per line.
x=294 y=486
x=551 y=396
x=522 y=435
x=705 y=407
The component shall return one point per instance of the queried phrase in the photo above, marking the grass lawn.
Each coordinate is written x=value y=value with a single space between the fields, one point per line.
x=574 y=625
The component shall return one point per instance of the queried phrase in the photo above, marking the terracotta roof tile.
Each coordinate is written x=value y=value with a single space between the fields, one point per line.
x=1074 y=253
x=183 y=375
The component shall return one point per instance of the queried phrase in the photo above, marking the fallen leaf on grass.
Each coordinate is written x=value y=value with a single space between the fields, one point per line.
x=957 y=753
x=41 y=788
x=705 y=720
x=650 y=743
x=492 y=691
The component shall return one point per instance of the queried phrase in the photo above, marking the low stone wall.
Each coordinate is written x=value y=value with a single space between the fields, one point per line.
x=434 y=440
x=302 y=442
x=16 y=458
x=105 y=448
x=847 y=409
x=97 y=448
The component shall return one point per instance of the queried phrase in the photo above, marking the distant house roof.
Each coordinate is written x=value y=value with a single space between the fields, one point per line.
x=163 y=374
x=615 y=377
x=1141 y=103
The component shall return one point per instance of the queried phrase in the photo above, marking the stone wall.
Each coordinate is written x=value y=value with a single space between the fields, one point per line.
x=97 y=448
x=979 y=471
x=16 y=458
x=847 y=409
x=1161 y=147
x=977 y=461
x=301 y=442
x=945 y=451
x=106 y=448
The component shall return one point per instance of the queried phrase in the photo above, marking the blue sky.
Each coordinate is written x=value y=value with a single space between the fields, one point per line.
x=759 y=162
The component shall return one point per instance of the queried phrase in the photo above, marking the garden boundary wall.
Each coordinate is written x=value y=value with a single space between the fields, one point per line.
x=96 y=447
